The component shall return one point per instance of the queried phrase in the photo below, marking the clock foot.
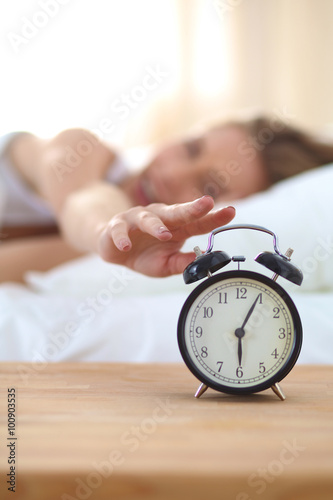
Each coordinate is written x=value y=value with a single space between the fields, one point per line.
x=278 y=391
x=203 y=388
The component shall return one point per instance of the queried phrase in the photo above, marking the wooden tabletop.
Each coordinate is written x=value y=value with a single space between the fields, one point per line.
x=133 y=431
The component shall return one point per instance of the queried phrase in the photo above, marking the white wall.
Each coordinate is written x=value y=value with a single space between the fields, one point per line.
x=73 y=62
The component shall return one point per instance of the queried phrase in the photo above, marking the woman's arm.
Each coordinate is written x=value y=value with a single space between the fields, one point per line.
x=95 y=216
x=39 y=253
x=68 y=172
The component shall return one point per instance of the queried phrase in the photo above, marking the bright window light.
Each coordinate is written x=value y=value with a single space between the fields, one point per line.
x=65 y=62
x=210 y=55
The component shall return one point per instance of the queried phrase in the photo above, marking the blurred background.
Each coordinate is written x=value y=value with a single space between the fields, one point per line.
x=143 y=71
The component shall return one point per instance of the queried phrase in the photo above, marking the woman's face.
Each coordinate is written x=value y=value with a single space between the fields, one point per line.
x=220 y=163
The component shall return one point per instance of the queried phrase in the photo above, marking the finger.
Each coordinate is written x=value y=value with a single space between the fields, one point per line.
x=215 y=219
x=117 y=230
x=120 y=228
x=209 y=222
x=184 y=213
x=197 y=208
x=150 y=223
x=177 y=262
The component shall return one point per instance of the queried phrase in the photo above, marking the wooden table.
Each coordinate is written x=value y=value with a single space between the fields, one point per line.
x=126 y=431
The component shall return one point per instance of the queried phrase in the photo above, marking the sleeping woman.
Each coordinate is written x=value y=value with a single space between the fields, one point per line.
x=71 y=195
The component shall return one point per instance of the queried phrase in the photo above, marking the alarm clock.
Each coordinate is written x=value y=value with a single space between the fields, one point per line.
x=239 y=331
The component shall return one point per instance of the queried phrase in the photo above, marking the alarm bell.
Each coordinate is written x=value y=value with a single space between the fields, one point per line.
x=205 y=265
x=281 y=266
x=208 y=262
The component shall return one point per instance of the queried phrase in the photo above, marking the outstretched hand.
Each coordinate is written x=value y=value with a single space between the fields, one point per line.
x=148 y=239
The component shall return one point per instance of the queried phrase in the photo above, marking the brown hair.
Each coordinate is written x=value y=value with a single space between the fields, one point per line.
x=285 y=150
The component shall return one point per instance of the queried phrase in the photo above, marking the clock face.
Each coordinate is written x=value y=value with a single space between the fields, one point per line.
x=239 y=332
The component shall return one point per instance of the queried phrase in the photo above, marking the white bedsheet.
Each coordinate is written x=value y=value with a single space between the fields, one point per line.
x=91 y=311
x=88 y=310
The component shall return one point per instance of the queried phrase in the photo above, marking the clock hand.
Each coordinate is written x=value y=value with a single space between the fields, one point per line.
x=240 y=332
x=250 y=312
x=240 y=351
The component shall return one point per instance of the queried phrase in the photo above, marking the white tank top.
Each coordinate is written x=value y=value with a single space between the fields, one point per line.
x=19 y=205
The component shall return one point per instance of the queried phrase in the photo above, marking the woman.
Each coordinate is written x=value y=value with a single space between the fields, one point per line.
x=75 y=184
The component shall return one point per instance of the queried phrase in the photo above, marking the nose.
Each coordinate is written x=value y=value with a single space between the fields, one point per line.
x=181 y=187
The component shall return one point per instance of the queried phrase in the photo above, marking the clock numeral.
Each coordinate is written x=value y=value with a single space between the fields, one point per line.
x=223 y=298
x=204 y=352
x=260 y=298
x=208 y=312
x=276 y=310
x=219 y=363
x=275 y=354
x=282 y=333
x=262 y=367
x=239 y=372
x=199 y=332
x=241 y=293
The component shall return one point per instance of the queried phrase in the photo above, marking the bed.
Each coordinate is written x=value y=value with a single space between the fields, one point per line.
x=88 y=310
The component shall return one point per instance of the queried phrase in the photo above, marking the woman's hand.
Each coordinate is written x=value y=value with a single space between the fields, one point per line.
x=148 y=239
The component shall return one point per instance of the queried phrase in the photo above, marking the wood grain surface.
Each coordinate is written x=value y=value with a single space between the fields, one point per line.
x=134 y=431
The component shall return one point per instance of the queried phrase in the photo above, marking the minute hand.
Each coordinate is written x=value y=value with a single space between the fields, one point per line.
x=250 y=312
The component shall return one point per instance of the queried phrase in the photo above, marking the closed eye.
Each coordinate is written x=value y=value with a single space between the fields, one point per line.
x=193 y=147
x=215 y=187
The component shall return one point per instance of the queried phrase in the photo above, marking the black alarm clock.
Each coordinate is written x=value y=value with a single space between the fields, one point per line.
x=239 y=331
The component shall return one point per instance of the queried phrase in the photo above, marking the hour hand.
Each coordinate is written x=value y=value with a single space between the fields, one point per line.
x=240 y=332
